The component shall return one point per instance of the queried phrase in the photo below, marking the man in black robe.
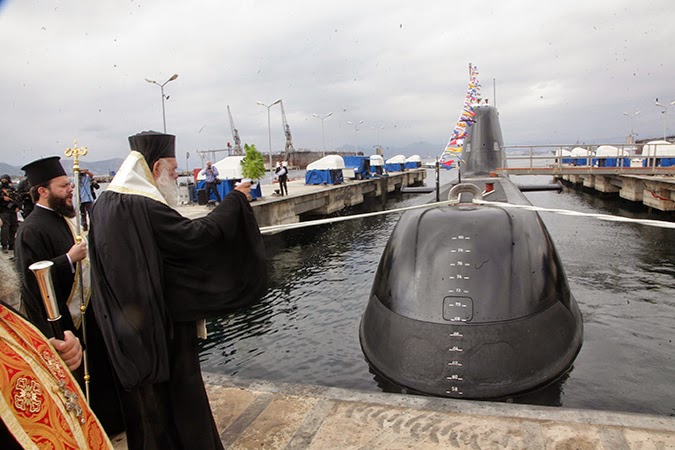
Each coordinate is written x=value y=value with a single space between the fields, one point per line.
x=48 y=234
x=156 y=276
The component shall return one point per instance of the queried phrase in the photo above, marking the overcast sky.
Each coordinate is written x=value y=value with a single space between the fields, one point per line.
x=565 y=73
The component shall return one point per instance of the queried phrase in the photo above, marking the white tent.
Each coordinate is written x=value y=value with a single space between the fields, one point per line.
x=228 y=168
x=609 y=151
x=659 y=149
x=413 y=158
x=580 y=152
x=376 y=160
x=562 y=153
x=328 y=162
x=398 y=159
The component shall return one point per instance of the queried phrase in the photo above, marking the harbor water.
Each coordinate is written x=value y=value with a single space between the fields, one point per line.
x=305 y=330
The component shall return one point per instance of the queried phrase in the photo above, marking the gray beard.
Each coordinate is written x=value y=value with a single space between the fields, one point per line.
x=168 y=187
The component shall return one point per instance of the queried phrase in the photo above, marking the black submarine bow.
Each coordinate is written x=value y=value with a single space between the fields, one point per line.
x=472 y=301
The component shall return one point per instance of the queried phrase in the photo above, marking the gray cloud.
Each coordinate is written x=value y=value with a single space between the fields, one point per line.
x=564 y=72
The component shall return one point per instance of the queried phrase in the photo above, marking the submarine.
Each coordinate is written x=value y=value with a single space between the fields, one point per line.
x=470 y=300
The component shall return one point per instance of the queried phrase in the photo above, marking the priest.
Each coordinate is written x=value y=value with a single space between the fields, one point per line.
x=156 y=276
x=48 y=233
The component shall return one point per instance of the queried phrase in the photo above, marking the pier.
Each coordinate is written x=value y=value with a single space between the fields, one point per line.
x=655 y=191
x=312 y=201
x=255 y=414
x=654 y=186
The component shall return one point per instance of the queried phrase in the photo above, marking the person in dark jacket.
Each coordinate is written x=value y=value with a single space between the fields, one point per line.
x=9 y=206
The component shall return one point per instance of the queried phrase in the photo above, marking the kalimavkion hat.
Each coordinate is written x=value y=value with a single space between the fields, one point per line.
x=153 y=146
x=43 y=170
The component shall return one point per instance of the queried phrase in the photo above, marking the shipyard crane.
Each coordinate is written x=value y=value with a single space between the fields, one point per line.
x=287 y=131
x=235 y=135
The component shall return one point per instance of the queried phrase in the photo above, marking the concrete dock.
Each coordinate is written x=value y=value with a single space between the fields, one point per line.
x=254 y=414
x=652 y=186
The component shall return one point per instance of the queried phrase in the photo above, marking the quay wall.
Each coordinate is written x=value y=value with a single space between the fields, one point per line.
x=655 y=191
x=323 y=200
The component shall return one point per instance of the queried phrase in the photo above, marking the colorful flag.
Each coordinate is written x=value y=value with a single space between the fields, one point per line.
x=466 y=118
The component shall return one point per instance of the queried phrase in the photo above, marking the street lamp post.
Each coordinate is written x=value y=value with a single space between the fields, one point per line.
x=378 y=134
x=323 y=131
x=664 y=111
x=161 y=87
x=269 y=131
x=632 y=118
x=356 y=129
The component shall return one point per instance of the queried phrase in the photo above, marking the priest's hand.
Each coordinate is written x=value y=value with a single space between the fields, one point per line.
x=245 y=188
x=69 y=349
x=77 y=252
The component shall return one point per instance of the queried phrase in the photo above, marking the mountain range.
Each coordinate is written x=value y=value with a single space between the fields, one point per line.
x=424 y=149
x=97 y=167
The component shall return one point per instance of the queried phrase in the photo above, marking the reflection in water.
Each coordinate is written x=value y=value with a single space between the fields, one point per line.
x=305 y=330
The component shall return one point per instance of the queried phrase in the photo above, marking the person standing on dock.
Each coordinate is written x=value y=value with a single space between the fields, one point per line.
x=8 y=209
x=282 y=174
x=86 y=197
x=211 y=181
x=157 y=275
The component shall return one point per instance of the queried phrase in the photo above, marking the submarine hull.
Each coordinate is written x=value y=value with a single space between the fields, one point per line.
x=471 y=300
x=487 y=361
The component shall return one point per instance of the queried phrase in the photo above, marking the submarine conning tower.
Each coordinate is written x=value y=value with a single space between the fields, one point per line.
x=482 y=151
x=470 y=300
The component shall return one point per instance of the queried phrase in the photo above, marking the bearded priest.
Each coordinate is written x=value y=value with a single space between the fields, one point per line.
x=156 y=277
x=49 y=234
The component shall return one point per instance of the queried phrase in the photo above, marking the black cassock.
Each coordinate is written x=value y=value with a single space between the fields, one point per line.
x=45 y=235
x=155 y=273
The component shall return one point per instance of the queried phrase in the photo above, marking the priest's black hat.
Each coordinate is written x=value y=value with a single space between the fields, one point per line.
x=43 y=170
x=153 y=146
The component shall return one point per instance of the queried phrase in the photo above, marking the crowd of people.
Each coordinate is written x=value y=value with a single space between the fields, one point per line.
x=133 y=292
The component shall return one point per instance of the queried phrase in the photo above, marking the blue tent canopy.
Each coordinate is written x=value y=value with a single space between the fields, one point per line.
x=360 y=164
x=224 y=188
x=327 y=176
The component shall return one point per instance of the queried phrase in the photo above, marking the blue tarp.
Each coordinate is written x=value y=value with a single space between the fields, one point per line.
x=360 y=164
x=413 y=164
x=660 y=162
x=611 y=162
x=224 y=188
x=324 y=176
x=398 y=167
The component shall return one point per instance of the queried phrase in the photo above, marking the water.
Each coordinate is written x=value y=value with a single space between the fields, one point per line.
x=305 y=330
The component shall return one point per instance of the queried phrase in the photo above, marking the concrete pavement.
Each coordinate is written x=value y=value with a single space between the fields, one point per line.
x=264 y=415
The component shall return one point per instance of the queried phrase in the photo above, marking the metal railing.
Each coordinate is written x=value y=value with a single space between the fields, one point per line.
x=555 y=163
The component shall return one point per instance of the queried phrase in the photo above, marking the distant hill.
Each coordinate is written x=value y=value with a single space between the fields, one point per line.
x=103 y=167
x=10 y=170
x=100 y=168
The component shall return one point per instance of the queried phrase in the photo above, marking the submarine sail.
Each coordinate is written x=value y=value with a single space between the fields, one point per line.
x=472 y=301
